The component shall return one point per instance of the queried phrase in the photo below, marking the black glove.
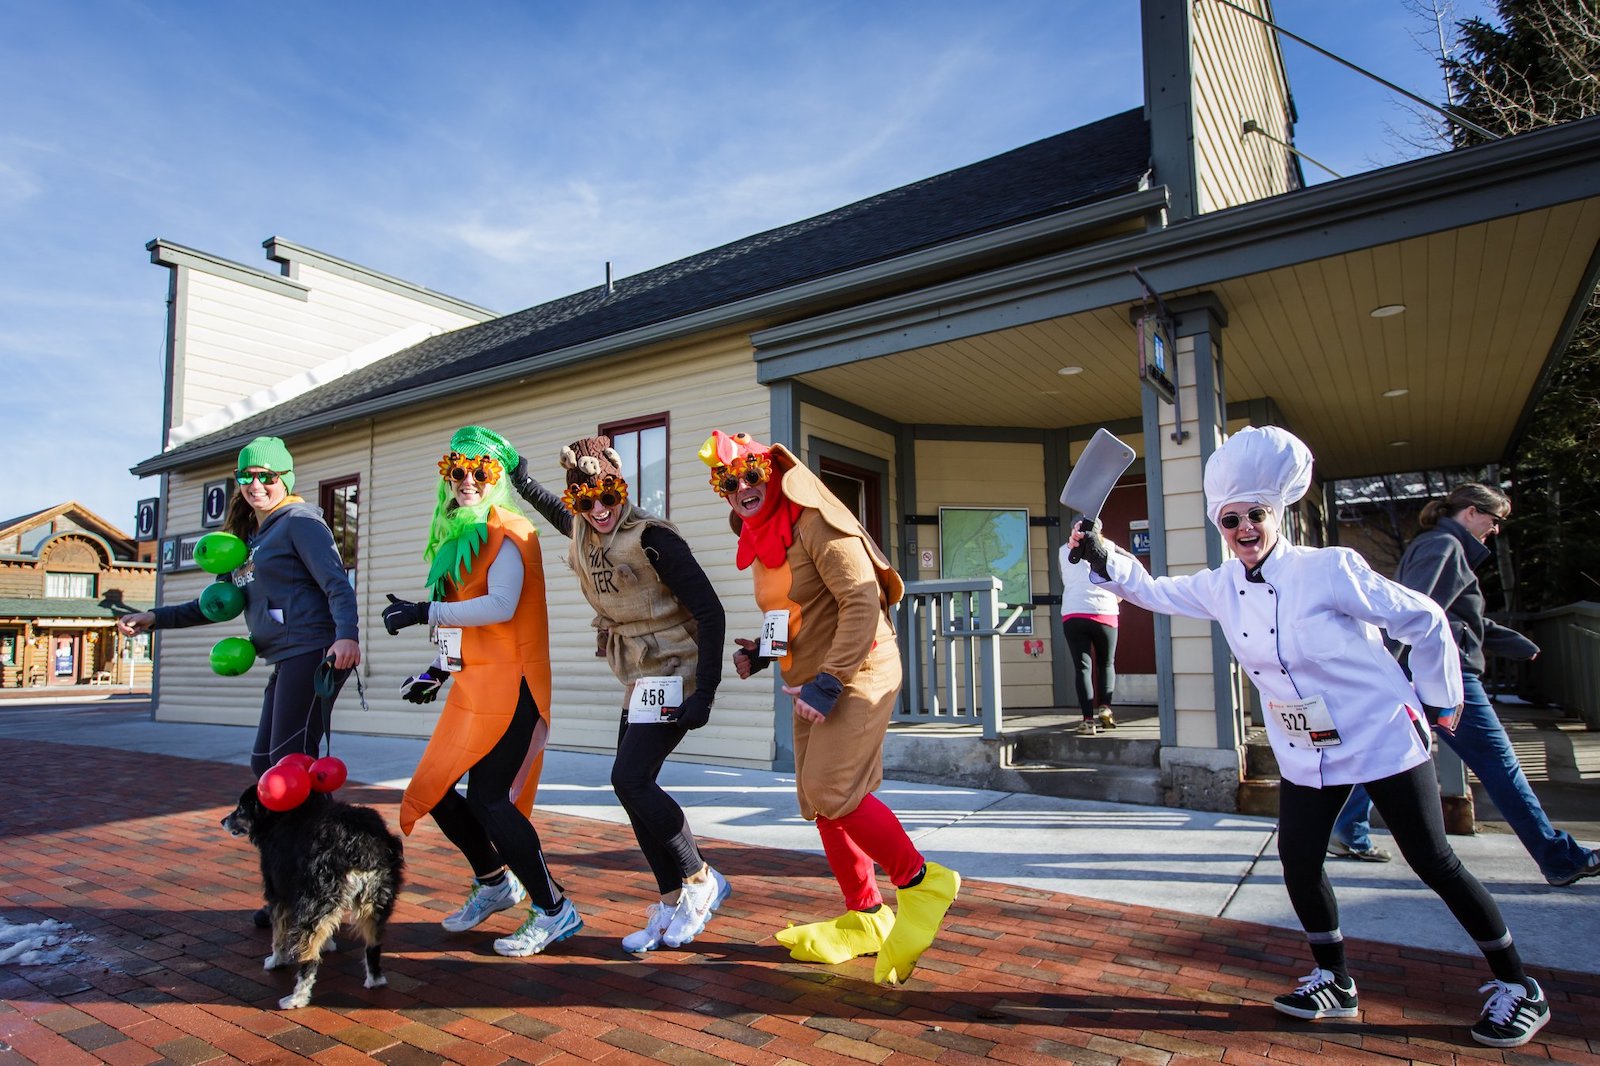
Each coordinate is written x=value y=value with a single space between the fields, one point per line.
x=423 y=688
x=521 y=480
x=1093 y=549
x=758 y=663
x=822 y=692
x=694 y=712
x=402 y=613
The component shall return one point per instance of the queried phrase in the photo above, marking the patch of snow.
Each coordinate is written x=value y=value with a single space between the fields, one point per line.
x=43 y=943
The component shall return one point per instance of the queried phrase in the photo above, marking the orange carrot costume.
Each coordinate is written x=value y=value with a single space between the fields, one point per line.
x=483 y=695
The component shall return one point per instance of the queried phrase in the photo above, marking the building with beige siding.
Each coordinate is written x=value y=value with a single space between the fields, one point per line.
x=940 y=354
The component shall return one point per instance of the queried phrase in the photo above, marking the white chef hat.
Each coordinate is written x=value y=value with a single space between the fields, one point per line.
x=1258 y=464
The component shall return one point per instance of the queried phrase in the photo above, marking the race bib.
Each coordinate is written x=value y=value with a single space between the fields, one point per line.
x=1306 y=721
x=651 y=696
x=774 y=635
x=449 y=640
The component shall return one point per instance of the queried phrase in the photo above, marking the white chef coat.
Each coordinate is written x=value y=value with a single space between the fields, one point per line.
x=1310 y=628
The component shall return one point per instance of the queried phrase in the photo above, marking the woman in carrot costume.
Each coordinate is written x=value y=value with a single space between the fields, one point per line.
x=488 y=616
x=827 y=592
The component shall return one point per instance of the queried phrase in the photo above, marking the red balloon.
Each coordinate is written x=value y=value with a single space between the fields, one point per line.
x=328 y=773
x=298 y=758
x=283 y=788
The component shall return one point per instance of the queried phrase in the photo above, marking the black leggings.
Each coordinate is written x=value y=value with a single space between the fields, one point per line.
x=1409 y=803
x=658 y=822
x=486 y=825
x=1093 y=647
x=291 y=717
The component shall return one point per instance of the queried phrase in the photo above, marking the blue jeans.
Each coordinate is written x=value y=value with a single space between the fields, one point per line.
x=1353 y=827
x=1481 y=742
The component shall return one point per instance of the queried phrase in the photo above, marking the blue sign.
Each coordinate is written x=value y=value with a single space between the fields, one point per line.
x=1139 y=538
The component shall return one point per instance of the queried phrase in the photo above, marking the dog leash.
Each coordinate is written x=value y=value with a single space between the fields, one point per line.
x=325 y=684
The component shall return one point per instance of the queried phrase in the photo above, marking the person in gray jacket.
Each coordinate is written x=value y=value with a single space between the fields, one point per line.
x=1441 y=563
x=299 y=606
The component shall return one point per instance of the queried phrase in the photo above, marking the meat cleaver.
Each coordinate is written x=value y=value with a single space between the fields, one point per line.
x=1093 y=478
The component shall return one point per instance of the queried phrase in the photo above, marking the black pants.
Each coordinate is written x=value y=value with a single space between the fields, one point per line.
x=658 y=822
x=486 y=825
x=1093 y=647
x=1409 y=803
x=291 y=718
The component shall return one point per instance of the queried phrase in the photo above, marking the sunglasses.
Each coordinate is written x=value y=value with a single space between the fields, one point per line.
x=610 y=493
x=1257 y=515
x=266 y=477
x=750 y=472
x=1499 y=519
x=459 y=468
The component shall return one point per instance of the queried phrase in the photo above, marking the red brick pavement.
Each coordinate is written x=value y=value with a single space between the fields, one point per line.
x=126 y=848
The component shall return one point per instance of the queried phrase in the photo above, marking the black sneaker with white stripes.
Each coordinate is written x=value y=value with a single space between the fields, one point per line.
x=1512 y=1015
x=1321 y=994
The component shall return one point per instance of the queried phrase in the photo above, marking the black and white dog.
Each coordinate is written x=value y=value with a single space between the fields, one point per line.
x=319 y=861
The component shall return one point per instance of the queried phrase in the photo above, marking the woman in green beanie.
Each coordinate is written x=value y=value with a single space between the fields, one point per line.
x=299 y=606
x=486 y=612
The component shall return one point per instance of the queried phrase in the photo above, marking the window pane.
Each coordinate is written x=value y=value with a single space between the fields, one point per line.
x=652 y=491
x=76 y=586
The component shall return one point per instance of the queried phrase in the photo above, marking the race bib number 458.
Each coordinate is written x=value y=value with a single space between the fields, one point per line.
x=651 y=696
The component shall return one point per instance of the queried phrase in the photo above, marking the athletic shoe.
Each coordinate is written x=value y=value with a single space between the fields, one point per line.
x=1512 y=1015
x=484 y=900
x=1321 y=995
x=1087 y=728
x=655 y=926
x=1590 y=868
x=539 y=930
x=1107 y=719
x=1372 y=853
x=922 y=908
x=695 y=903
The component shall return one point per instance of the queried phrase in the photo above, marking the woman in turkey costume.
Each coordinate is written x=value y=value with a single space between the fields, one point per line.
x=657 y=616
x=487 y=613
x=827 y=592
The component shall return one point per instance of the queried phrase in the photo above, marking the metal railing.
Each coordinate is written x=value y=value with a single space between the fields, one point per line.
x=949 y=635
x=1567 y=671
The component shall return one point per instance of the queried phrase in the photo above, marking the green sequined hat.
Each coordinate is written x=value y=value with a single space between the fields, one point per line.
x=476 y=440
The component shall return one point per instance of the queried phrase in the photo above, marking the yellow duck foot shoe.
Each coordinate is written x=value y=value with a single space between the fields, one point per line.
x=840 y=939
x=922 y=909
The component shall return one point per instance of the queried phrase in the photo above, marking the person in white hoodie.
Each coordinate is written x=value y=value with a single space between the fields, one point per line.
x=1304 y=625
x=1089 y=626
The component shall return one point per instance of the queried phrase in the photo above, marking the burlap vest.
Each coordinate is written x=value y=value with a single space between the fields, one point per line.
x=648 y=632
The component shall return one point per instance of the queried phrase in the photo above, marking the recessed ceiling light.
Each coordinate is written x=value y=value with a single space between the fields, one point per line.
x=1068 y=371
x=1399 y=444
x=1387 y=310
x=1390 y=394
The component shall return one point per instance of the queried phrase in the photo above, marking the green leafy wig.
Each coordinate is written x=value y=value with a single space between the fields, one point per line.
x=458 y=533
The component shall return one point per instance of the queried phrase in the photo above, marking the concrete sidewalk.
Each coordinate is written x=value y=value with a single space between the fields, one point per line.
x=1191 y=862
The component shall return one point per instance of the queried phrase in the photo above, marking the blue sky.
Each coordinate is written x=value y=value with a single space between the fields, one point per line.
x=502 y=152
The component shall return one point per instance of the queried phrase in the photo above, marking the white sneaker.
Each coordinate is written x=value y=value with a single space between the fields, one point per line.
x=655 y=927
x=484 y=900
x=539 y=930
x=695 y=904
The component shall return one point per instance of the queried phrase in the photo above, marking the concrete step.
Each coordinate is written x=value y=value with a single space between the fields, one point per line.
x=1112 y=784
x=1066 y=747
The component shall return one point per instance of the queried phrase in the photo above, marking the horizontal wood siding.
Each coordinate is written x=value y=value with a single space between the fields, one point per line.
x=398 y=490
x=1238 y=76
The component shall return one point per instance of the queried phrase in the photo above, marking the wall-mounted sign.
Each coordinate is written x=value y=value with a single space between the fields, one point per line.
x=177 y=553
x=146 y=516
x=1139 y=536
x=214 y=504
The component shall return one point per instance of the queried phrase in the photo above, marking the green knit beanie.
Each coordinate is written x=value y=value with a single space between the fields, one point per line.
x=475 y=441
x=271 y=453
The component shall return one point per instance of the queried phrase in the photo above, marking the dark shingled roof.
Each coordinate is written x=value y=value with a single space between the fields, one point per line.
x=1071 y=169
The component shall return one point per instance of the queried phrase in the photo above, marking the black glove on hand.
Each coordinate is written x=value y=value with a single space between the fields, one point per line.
x=1093 y=549
x=520 y=478
x=758 y=663
x=424 y=688
x=822 y=692
x=402 y=613
x=694 y=712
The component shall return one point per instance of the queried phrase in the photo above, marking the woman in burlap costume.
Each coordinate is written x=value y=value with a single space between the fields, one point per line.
x=656 y=616
x=487 y=613
x=827 y=592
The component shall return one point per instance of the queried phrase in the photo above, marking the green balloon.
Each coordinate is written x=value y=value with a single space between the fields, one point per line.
x=219 y=553
x=232 y=656
x=222 y=601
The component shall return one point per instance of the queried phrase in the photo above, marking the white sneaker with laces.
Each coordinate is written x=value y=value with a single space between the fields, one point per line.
x=484 y=900
x=695 y=904
x=539 y=930
x=655 y=927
